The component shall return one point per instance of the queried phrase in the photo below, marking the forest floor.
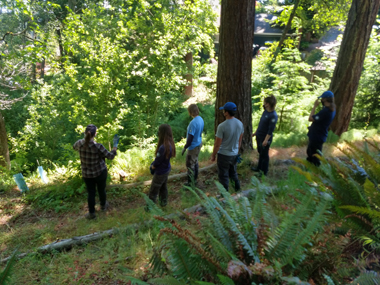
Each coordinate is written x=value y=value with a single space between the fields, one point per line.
x=30 y=227
x=25 y=226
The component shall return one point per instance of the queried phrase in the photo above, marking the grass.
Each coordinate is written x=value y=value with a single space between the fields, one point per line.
x=26 y=224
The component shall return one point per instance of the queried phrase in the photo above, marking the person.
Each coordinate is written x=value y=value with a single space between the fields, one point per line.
x=228 y=139
x=321 y=122
x=161 y=165
x=264 y=134
x=94 y=169
x=193 y=144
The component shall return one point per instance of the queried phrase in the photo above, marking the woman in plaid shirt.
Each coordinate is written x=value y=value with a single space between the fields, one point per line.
x=94 y=169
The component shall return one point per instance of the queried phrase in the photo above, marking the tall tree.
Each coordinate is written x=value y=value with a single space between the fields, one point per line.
x=235 y=63
x=349 y=66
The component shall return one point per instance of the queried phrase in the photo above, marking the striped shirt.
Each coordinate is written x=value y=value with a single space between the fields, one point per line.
x=92 y=157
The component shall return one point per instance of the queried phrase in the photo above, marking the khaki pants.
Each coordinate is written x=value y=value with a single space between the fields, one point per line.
x=192 y=163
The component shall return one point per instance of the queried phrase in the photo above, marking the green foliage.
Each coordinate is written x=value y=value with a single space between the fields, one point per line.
x=367 y=278
x=367 y=101
x=290 y=84
x=5 y=275
x=354 y=182
x=236 y=238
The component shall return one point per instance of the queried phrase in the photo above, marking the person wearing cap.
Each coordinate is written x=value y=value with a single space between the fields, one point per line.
x=321 y=122
x=264 y=134
x=228 y=139
x=193 y=144
x=94 y=169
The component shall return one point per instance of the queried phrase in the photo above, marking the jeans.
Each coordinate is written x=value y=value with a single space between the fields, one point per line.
x=192 y=163
x=159 y=188
x=313 y=148
x=93 y=183
x=263 y=151
x=227 y=166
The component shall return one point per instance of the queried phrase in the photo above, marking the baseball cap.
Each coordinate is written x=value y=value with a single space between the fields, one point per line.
x=326 y=94
x=229 y=106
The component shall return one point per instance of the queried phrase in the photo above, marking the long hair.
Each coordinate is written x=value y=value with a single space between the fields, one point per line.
x=332 y=106
x=165 y=137
x=89 y=133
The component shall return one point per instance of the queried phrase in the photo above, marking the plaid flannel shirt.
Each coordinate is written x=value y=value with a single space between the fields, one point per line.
x=92 y=157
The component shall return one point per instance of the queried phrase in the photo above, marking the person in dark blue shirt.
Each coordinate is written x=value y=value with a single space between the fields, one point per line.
x=318 y=130
x=161 y=165
x=264 y=134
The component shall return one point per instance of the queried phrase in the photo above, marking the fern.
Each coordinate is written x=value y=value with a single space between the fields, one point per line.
x=232 y=226
x=328 y=279
x=168 y=280
x=296 y=247
x=373 y=214
x=225 y=280
x=288 y=230
x=6 y=273
x=368 y=278
x=135 y=281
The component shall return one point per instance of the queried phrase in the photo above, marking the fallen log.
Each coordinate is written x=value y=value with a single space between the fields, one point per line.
x=60 y=245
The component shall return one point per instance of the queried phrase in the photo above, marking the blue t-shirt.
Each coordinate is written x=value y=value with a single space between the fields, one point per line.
x=318 y=130
x=267 y=124
x=195 y=129
x=161 y=163
x=230 y=131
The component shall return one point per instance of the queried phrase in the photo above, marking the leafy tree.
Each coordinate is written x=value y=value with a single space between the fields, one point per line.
x=366 y=109
x=123 y=71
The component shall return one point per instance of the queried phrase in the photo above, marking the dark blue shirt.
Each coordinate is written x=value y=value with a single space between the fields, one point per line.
x=318 y=130
x=161 y=163
x=267 y=124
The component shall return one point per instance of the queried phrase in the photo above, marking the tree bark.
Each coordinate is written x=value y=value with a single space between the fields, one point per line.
x=235 y=63
x=189 y=76
x=4 y=150
x=349 y=66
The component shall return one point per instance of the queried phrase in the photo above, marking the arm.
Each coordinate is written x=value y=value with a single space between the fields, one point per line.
x=271 y=127
x=217 y=143
x=189 y=141
x=265 y=142
x=77 y=145
x=316 y=103
x=105 y=153
x=240 y=139
x=160 y=157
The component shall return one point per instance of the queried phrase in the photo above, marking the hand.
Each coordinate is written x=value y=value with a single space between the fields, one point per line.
x=254 y=134
x=114 y=148
x=183 y=151
x=212 y=158
x=265 y=143
x=116 y=139
x=316 y=103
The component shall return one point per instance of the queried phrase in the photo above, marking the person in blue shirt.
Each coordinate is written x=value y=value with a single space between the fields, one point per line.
x=264 y=134
x=193 y=144
x=318 y=130
x=161 y=165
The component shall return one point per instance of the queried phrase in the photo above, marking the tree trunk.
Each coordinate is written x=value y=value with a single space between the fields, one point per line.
x=189 y=76
x=285 y=31
x=4 y=150
x=60 y=45
x=349 y=66
x=235 y=63
x=42 y=74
